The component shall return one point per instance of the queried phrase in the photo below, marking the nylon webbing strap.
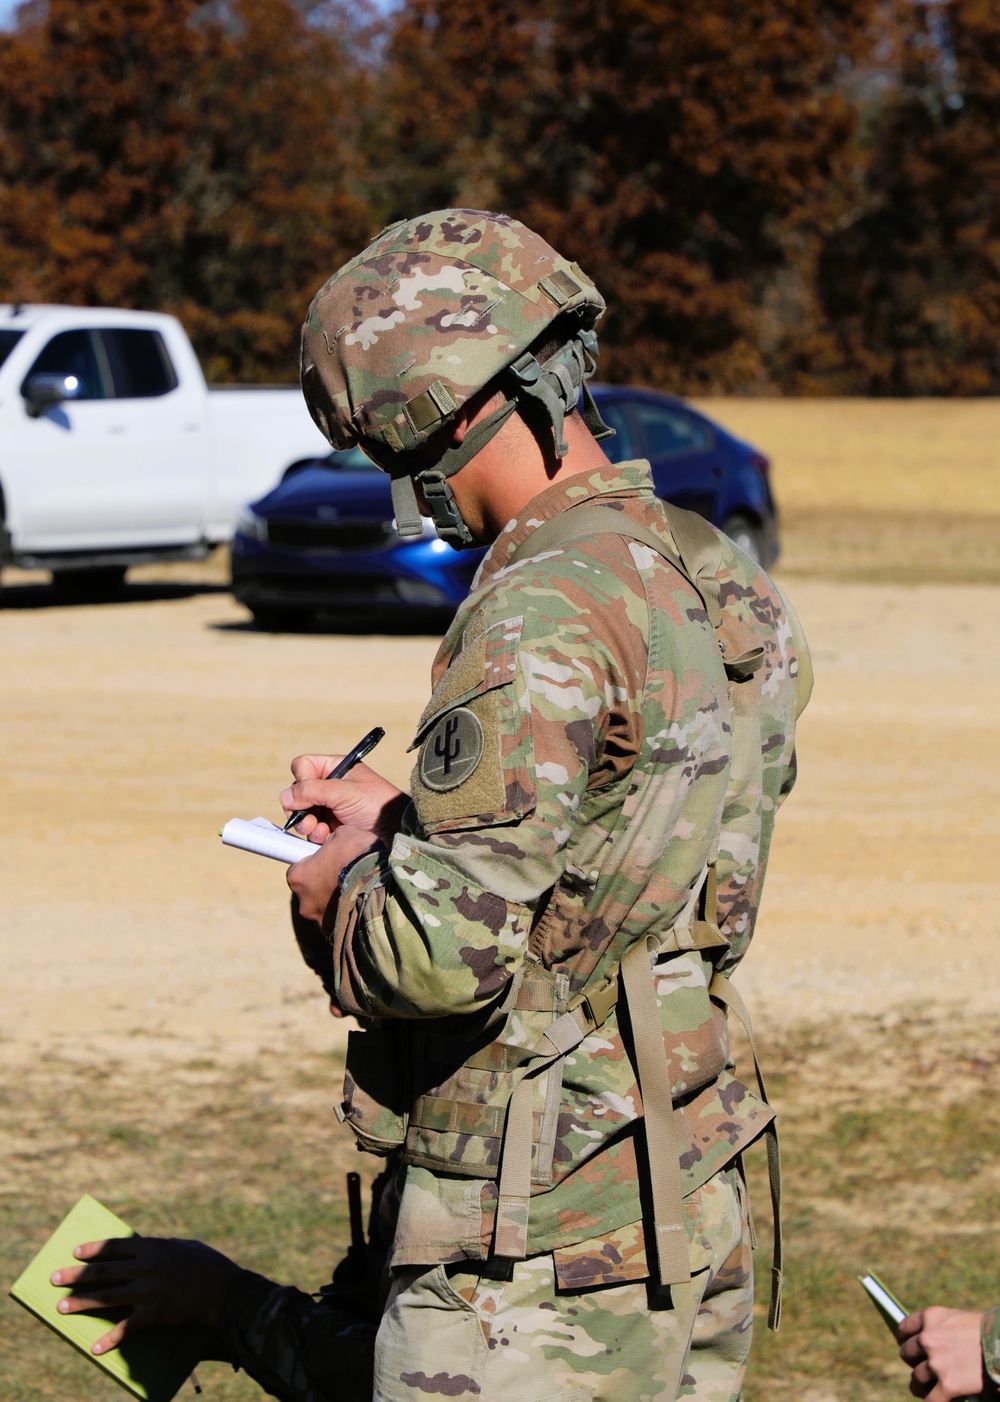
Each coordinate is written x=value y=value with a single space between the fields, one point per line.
x=700 y=547
x=705 y=928
x=510 y=1238
x=658 y=1116
x=404 y=507
x=723 y=991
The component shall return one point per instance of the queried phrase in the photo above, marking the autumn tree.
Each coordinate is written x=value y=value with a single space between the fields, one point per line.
x=676 y=150
x=910 y=287
x=93 y=145
x=161 y=153
x=272 y=182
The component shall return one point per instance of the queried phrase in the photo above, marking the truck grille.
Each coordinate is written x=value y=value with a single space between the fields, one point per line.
x=328 y=535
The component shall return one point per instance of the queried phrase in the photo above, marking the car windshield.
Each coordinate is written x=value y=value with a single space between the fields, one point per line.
x=8 y=340
x=351 y=460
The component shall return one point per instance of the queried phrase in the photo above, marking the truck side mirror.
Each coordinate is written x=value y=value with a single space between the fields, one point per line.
x=43 y=392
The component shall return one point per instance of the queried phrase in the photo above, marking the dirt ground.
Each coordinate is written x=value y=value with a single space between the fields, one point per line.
x=133 y=730
x=161 y=1043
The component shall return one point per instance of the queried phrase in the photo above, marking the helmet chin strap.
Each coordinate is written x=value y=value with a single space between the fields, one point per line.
x=552 y=388
x=435 y=487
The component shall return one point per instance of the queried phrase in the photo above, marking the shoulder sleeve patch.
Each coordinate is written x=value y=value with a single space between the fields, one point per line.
x=476 y=767
x=452 y=750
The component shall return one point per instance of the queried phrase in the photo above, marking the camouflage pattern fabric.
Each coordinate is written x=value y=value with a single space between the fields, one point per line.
x=613 y=761
x=991 y=1343
x=402 y=335
x=451 y=1332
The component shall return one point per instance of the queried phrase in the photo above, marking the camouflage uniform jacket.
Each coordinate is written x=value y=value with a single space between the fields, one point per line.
x=602 y=783
x=991 y=1344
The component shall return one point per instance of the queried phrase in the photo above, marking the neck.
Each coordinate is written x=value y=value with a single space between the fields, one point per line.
x=521 y=467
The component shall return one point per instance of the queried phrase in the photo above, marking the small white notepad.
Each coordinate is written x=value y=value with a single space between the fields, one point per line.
x=267 y=840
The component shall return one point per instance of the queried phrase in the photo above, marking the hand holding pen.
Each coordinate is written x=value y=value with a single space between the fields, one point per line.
x=362 y=748
x=346 y=814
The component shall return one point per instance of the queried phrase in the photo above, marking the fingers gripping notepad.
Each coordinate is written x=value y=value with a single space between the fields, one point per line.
x=152 y=1366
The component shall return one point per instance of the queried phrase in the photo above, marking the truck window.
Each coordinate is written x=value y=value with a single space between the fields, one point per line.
x=8 y=340
x=71 y=353
x=139 y=362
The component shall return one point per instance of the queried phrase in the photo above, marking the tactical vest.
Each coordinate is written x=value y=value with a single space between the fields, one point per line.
x=494 y=1099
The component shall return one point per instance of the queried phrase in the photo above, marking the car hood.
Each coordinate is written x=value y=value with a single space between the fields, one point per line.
x=323 y=493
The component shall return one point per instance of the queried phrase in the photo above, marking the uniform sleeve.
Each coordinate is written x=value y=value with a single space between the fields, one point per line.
x=297 y=1347
x=533 y=713
x=801 y=665
x=991 y=1343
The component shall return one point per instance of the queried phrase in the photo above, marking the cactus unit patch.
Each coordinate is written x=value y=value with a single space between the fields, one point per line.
x=452 y=750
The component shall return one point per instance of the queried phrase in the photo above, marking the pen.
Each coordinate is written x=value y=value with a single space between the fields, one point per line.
x=348 y=762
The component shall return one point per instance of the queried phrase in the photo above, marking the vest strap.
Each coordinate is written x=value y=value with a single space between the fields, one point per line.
x=662 y=1152
x=652 y=1068
x=696 y=552
x=722 y=990
x=510 y=1237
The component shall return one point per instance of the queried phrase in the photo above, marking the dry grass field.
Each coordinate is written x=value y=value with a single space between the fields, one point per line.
x=881 y=491
x=163 y=1047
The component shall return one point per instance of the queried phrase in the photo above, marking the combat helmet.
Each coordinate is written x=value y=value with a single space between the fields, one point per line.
x=431 y=312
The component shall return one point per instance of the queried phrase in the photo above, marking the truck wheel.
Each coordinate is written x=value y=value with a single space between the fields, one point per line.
x=102 y=582
x=746 y=535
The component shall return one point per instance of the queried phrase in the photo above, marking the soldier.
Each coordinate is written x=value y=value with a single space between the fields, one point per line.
x=540 y=946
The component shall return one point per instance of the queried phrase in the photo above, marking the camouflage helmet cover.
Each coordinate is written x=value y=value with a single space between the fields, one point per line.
x=402 y=335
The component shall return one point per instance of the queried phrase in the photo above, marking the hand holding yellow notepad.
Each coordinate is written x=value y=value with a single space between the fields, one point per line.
x=155 y=1364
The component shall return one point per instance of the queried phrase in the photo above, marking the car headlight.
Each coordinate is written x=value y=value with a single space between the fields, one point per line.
x=248 y=523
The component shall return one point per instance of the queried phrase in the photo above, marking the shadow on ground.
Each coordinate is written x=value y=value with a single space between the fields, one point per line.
x=360 y=623
x=46 y=596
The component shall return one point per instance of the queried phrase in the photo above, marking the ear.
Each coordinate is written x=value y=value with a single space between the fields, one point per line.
x=459 y=428
x=474 y=408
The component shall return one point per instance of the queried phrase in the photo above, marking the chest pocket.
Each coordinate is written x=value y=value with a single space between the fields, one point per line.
x=476 y=763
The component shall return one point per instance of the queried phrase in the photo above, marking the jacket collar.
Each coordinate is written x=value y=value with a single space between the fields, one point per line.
x=621 y=479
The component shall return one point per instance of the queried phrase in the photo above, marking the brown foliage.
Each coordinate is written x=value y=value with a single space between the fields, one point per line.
x=146 y=160
x=911 y=289
x=792 y=195
x=672 y=149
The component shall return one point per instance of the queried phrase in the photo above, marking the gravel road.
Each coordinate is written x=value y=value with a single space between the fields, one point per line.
x=133 y=730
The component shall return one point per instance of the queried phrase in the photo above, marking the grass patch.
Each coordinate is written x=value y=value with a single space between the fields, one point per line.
x=890 y=1141
x=890 y=1151
x=249 y=1159
x=907 y=456
x=883 y=547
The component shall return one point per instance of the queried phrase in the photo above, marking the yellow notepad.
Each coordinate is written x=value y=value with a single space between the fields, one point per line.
x=153 y=1365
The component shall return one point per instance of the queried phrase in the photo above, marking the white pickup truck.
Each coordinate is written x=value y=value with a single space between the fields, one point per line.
x=113 y=450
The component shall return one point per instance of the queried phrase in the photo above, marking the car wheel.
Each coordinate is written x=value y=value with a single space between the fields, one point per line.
x=273 y=619
x=90 y=585
x=746 y=535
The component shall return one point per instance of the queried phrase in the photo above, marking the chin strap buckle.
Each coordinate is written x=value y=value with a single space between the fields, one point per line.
x=444 y=510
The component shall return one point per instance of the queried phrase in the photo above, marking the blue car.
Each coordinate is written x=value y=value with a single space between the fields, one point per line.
x=323 y=541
